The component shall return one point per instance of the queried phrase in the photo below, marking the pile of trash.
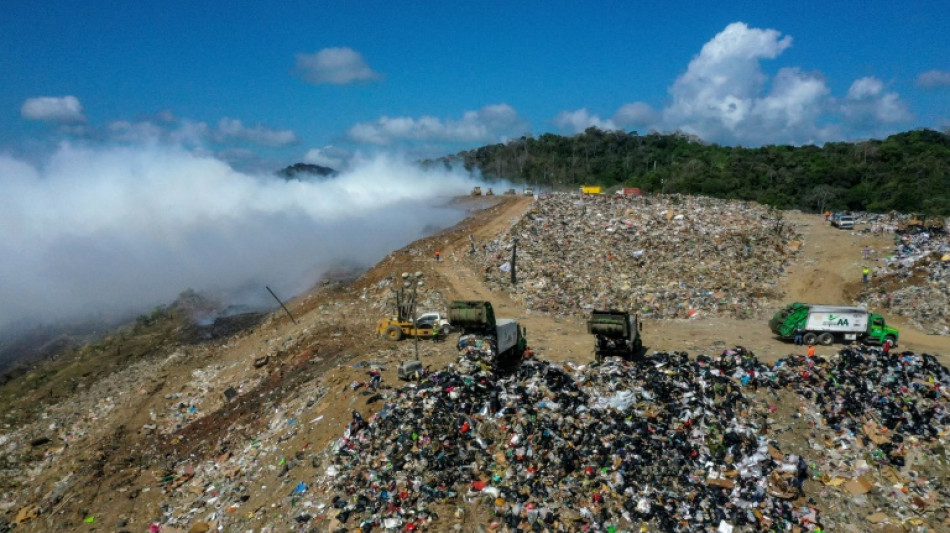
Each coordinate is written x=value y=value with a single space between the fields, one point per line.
x=668 y=443
x=914 y=281
x=575 y=253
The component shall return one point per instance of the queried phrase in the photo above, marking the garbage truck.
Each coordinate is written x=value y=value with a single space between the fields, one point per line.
x=617 y=333
x=826 y=324
x=476 y=322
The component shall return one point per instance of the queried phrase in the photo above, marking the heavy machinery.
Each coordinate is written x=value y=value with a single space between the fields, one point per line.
x=401 y=324
x=528 y=191
x=510 y=192
x=617 y=334
x=825 y=324
x=477 y=318
x=592 y=189
x=477 y=191
x=489 y=192
x=919 y=223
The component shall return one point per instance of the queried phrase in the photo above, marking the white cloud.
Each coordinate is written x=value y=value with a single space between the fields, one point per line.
x=933 y=79
x=167 y=128
x=86 y=226
x=64 y=110
x=719 y=93
x=579 y=120
x=636 y=114
x=487 y=124
x=867 y=103
x=328 y=156
x=232 y=128
x=334 y=65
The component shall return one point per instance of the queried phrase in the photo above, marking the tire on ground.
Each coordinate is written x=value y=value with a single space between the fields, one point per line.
x=809 y=338
x=826 y=339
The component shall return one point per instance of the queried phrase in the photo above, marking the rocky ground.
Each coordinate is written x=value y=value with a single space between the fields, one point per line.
x=255 y=432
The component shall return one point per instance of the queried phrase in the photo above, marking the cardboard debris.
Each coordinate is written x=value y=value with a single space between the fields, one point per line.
x=859 y=485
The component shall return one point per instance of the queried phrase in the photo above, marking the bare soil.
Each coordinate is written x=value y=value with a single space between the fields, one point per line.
x=122 y=473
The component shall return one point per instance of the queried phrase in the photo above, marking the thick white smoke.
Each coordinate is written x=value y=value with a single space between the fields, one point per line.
x=102 y=231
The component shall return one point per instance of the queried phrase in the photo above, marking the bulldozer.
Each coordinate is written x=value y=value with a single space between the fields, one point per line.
x=477 y=191
x=402 y=325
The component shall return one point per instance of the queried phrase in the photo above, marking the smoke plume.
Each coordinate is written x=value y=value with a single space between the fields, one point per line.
x=106 y=231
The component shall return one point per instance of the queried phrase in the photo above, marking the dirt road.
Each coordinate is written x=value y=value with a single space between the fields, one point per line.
x=828 y=270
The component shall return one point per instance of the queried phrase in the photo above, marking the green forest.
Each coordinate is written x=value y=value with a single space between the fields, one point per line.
x=907 y=172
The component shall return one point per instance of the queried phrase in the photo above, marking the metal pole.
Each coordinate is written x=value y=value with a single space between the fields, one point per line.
x=514 y=254
x=412 y=317
x=281 y=304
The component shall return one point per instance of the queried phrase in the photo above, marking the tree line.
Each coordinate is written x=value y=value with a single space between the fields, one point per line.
x=907 y=172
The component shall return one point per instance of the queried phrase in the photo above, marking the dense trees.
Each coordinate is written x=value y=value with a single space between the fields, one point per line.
x=909 y=172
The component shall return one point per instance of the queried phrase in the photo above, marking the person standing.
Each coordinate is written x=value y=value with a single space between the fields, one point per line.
x=811 y=350
x=798 y=336
x=886 y=350
x=864 y=275
x=438 y=256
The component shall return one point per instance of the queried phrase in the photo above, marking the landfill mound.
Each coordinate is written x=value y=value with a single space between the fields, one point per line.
x=666 y=443
x=914 y=281
x=666 y=257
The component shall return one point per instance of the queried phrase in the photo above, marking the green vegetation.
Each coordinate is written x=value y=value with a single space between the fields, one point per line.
x=908 y=172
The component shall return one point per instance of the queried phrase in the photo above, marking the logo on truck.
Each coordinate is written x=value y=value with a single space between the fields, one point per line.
x=840 y=320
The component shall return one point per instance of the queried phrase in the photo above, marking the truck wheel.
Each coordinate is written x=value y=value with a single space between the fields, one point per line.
x=890 y=338
x=826 y=339
x=447 y=329
x=394 y=333
x=809 y=338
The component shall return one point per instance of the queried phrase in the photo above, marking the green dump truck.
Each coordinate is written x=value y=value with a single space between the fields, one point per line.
x=477 y=318
x=617 y=333
x=826 y=324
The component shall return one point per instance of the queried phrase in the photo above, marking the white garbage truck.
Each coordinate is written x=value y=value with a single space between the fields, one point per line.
x=826 y=324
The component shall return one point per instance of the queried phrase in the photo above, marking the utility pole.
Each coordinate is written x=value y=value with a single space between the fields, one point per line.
x=412 y=316
x=514 y=257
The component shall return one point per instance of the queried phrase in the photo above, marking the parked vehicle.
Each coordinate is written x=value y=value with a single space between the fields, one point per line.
x=842 y=221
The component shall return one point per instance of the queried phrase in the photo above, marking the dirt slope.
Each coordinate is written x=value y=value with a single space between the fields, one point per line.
x=114 y=465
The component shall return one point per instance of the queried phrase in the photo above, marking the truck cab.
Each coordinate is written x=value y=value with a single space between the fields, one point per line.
x=879 y=331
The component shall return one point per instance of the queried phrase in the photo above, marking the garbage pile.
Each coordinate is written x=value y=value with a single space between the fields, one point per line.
x=577 y=253
x=668 y=442
x=914 y=282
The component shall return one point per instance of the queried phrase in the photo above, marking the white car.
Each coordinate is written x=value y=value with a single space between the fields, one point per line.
x=435 y=318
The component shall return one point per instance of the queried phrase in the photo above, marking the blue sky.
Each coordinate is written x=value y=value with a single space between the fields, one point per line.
x=261 y=87
x=138 y=139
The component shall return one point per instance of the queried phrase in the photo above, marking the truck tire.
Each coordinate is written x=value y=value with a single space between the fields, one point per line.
x=826 y=339
x=394 y=333
x=809 y=338
x=890 y=338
